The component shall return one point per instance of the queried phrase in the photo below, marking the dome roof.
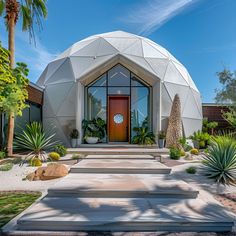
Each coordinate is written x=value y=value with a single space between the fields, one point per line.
x=87 y=54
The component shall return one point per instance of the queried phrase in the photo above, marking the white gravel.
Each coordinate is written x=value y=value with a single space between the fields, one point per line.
x=12 y=180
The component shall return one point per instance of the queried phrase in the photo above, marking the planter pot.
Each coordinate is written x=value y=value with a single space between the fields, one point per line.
x=74 y=142
x=161 y=143
x=196 y=144
x=92 y=140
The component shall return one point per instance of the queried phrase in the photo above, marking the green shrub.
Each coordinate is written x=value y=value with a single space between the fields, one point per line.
x=36 y=140
x=203 y=138
x=35 y=162
x=182 y=153
x=54 y=156
x=194 y=151
x=6 y=167
x=77 y=156
x=2 y=154
x=187 y=147
x=220 y=162
x=191 y=170
x=60 y=149
x=175 y=153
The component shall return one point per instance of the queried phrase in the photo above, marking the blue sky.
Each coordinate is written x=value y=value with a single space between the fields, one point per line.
x=201 y=34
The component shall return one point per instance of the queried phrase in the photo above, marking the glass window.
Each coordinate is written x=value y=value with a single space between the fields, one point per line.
x=35 y=113
x=139 y=107
x=22 y=121
x=118 y=76
x=135 y=81
x=119 y=81
x=96 y=103
x=118 y=90
x=101 y=81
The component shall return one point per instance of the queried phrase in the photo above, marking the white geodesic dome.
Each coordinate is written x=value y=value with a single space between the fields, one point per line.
x=61 y=76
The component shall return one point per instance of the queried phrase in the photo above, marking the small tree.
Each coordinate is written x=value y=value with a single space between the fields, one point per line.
x=13 y=93
x=174 y=129
x=228 y=94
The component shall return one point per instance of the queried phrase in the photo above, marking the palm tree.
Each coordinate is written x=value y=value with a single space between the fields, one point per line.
x=31 y=11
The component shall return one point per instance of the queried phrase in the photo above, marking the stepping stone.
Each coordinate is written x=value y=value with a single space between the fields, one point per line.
x=121 y=185
x=123 y=214
x=120 y=166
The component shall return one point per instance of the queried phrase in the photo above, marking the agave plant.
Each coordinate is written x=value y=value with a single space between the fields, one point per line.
x=143 y=135
x=36 y=140
x=220 y=161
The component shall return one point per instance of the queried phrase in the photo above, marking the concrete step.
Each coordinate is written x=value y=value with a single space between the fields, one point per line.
x=120 y=166
x=153 y=151
x=118 y=157
x=125 y=214
x=121 y=186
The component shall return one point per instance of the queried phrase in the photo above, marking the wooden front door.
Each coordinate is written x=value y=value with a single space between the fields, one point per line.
x=118 y=119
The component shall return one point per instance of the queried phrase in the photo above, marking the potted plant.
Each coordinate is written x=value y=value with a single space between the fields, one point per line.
x=94 y=130
x=161 y=139
x=74 y=135
x=91 y=137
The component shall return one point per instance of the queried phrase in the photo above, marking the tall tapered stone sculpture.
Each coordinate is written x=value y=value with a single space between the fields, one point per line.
x=174 y=129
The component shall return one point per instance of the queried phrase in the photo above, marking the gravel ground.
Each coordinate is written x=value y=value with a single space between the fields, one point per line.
x=13 y=180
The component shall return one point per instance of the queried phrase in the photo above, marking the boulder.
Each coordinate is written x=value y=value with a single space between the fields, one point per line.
x=54 y=171
x=51 y=171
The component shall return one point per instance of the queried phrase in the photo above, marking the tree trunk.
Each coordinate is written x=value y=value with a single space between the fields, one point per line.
x=11 y=47
x=11 y=38
x=11 y=124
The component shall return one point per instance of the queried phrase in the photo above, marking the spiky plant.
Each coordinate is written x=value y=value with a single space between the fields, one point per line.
x=143 y=135
x=36 y=140
x=220 y=161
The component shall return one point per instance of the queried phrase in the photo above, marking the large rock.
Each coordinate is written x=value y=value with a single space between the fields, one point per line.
x=51 y=171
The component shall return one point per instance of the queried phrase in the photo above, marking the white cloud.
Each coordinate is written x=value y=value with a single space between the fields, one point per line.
x=154 y=13
x=36 y=56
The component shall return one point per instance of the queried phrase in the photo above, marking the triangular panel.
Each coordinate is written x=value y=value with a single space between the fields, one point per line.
x=79 y=45
x=57 y=93
x=158 y=65
x=121 y=43
x=67 y=108
x=173 y=75
x=191 y=109
x=198 y=100
x=141 y=62
x=135 y=49
x=106 y=48
x=166 y=102
x=47 y=109
x=81 y=66
x=182 y=71
x=150 y=51
x=191 y=125
x=64 y=72
x=182 y=91
x=53 y=66
x=42 y=79
x=88 y=51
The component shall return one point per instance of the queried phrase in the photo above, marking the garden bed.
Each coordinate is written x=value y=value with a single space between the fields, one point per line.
x=13 y=203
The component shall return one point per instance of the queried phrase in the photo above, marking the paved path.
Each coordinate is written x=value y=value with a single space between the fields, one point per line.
x=123 y=202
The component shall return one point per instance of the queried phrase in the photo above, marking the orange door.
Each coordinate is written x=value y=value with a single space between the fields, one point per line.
x=118 y=119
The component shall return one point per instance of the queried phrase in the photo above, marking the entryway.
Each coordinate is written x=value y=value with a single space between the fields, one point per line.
x=118 y=118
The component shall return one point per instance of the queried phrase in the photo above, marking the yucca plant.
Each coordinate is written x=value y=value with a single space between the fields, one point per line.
x=36 y=140
x=143 y=136
x=220 y=161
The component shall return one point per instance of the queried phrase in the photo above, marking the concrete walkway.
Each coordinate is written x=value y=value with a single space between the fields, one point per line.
x=91 y=201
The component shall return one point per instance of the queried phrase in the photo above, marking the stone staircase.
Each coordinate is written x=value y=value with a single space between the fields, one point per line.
x=123 y=195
